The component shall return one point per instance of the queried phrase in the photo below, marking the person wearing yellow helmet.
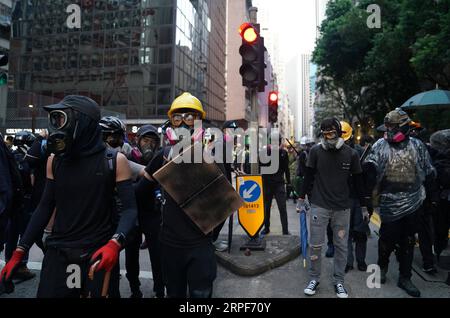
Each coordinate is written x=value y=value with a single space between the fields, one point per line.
x=184 y=111
x=188 y=255
x=347 y=130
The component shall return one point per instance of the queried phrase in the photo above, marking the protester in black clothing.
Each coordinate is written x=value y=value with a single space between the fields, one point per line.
x=20 y=216
x=84 y=230
x=149 y=219
x=188 y=256
x=275 y=186
x=440 y=154
x=6 y=190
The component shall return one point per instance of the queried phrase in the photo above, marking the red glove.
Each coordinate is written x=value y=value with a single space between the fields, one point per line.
x=108 y=254
x=11 y=266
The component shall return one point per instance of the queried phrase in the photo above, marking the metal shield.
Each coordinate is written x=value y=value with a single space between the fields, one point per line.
x=201 y=190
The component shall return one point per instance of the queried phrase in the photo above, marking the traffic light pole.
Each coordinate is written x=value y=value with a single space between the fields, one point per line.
x=254 y=126
x=254 y=167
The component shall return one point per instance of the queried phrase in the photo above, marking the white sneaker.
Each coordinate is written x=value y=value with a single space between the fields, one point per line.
x=341 y=292
x=310 y=290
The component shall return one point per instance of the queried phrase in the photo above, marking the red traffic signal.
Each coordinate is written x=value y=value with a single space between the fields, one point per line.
x=248 y=33
x=273 y=98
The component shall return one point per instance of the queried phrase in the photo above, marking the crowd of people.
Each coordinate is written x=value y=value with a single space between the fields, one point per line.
x=82 y=192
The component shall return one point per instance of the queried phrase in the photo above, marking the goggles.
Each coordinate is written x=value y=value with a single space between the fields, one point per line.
x=331 y=134
x=188 y=118
x=58 y=119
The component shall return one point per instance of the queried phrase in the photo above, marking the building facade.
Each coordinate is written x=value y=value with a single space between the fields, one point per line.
x=5 y=33
x=131 y=56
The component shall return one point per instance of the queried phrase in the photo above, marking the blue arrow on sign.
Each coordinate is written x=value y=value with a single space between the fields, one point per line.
x=250 y=191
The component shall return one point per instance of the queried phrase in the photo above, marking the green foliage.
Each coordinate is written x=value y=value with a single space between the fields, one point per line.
x=371 y=71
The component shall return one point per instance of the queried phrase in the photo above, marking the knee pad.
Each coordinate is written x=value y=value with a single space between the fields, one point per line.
x=201 y=293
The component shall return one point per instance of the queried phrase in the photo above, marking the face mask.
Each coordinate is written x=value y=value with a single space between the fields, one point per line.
x=332 y=144
x=147 y=154
x=397 y=134
x=62 y=131
x=114 y=141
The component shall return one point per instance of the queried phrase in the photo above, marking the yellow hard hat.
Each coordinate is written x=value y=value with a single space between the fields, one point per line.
x=347 y=130
x=187 y=101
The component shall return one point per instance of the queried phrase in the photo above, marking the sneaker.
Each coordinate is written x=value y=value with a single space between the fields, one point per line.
x=286 y=233
x=144 y=245
x=330 y=251
x=408 y=287
x=265 y=231
x=221 y=246
x=362 y=267
x=348 y=268
x=431 y=270
x=310 y=290
x=341 y=292
x=23 y=274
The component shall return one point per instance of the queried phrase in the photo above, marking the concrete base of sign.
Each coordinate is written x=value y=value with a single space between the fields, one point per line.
x=257 y=244
x=280 y=249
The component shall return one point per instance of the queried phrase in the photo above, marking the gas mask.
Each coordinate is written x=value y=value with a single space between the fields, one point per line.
x=331 y=140
x=63 y=126
x=397 y=134
x=114 y=140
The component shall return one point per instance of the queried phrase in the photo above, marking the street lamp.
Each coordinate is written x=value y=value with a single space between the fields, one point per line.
x=33 y=118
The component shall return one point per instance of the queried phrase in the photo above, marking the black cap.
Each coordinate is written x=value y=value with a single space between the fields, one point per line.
x=82 y=104
x=147 y=129
x=230 y=124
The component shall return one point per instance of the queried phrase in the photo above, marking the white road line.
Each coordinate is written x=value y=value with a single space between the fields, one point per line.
x=38 y=266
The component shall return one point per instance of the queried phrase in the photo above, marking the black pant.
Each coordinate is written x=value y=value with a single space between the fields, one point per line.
x=360 y=240
x=441 y=220
x=279 y=192
x=425 y=231
x=189 y=268
x=149 y=225
x=56 y=274
x=401 y=233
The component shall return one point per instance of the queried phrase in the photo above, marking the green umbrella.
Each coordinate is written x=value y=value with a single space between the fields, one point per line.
x=437 y=99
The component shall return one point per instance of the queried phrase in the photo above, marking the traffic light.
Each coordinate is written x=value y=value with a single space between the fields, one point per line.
x=273 y=107
x=3 y=78
x=252 y=52
x=3 y=59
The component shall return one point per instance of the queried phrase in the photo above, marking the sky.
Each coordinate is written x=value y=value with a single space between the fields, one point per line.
x=293 y=21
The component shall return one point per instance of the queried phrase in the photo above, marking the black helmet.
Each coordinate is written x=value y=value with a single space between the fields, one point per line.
x=24 y=138
x=112 y=125
x=147 y=130
x=230 y=124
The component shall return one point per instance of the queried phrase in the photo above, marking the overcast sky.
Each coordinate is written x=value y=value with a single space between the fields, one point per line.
x=294 y=21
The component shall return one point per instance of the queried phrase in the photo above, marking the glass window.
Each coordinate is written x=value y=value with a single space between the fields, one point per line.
x=164 y=97
x=165 y=55
x=164 y=75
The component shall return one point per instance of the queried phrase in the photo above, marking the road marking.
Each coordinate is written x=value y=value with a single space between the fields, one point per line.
x=38 y=266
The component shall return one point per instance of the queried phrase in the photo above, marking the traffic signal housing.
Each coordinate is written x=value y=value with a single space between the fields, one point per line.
x=273 y=107
x=3 y=74
x=252 y=52
x=3 y=59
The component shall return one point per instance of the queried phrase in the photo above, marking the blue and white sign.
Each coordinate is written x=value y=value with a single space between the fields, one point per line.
x=250 y=191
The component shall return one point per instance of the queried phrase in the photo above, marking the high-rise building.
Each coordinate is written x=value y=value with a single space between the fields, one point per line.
x=132 y=56
x=5 y=32
x=298 y=76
